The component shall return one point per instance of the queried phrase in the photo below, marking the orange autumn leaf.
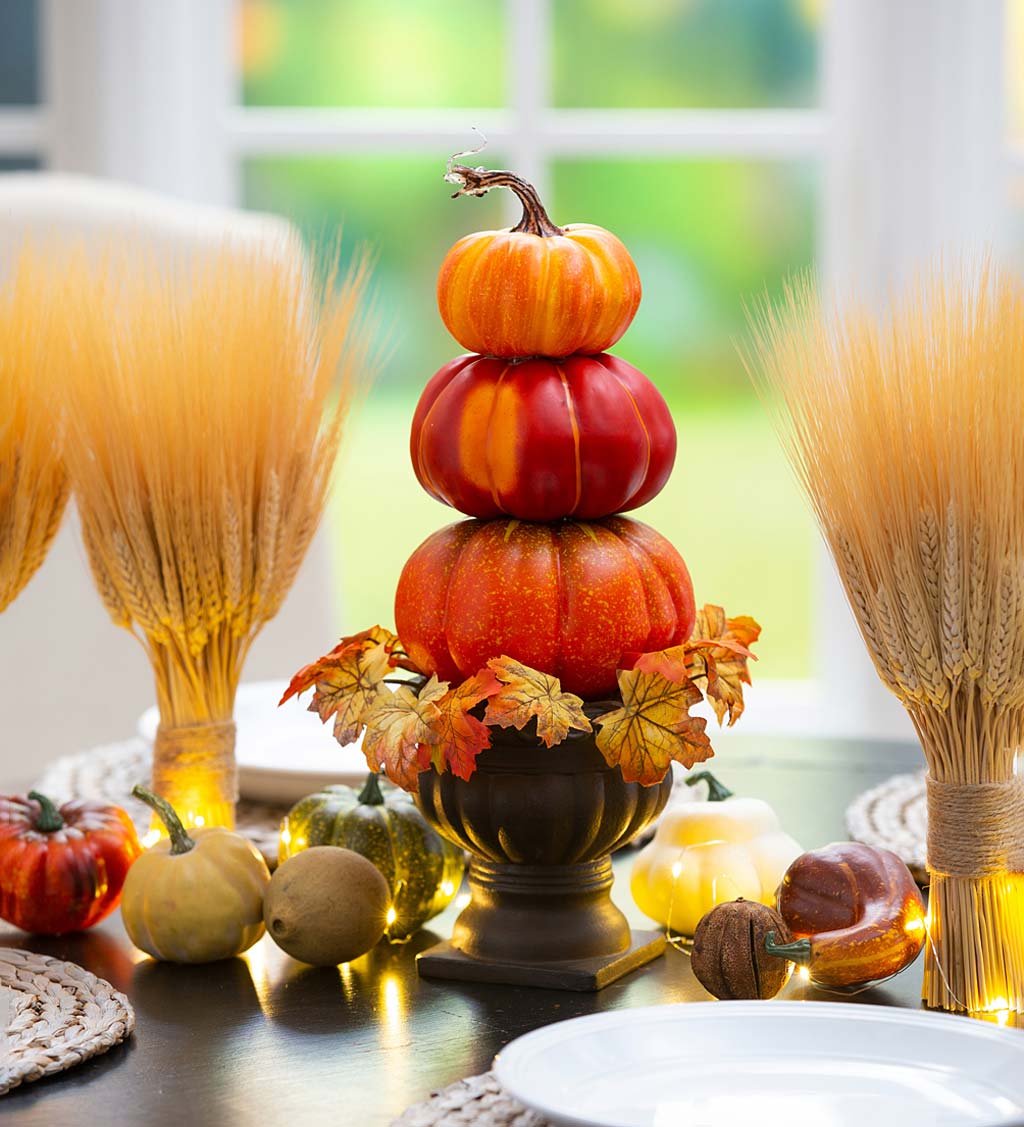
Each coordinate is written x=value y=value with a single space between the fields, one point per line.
x=653 y=727
x=673 y=664
x=526 y=694
x=400 y=726
x=719 y=652
x=308 y=675
x=461 y=737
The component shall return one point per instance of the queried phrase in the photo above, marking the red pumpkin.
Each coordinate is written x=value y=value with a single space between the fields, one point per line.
x=537 y=289
x=542 y=439
x=566 y=598
x=62 y=870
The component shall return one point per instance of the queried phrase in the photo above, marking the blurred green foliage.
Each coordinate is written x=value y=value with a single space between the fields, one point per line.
x=675 y=53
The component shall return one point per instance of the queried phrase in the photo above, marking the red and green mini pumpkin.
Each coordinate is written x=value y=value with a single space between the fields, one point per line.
x=62 y=870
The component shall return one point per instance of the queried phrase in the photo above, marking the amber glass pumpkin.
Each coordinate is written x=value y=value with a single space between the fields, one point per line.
x=384 y=825
x=537 y=289
x=542 y=439
x=567 y=598
x=856 y=912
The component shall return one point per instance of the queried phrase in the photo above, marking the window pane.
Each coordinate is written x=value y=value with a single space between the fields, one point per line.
x=19 y=53
x=665 y=53
x=708 y=236
x=423 y=53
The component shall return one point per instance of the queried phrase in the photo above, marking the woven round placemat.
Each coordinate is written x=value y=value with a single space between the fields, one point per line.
x=894 y=815
x=57 y=1015
x=107 y=774
x=478 y=1101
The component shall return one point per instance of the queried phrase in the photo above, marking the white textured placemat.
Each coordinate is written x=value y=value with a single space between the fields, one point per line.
x=108 y=773
x=478 y=1101
x=57 y=1015
x=894 y=815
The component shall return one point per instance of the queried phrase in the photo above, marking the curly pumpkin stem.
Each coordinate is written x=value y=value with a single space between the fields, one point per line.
x=371 y=794
x=799 y=951
x=717 y=792
x=49 y=818
x=477 y=181
x=180 y=841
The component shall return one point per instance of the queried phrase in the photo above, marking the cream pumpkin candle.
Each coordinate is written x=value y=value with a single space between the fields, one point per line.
x=708 y=853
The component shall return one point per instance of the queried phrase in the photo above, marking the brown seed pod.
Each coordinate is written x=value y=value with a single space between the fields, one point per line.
x=729 y=956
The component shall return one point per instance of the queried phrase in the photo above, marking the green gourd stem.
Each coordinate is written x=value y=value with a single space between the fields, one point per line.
x=477 y=181
x=371 y=794
x=799 y=951
x=180 y=841
x=717 y=792
x=49 y=818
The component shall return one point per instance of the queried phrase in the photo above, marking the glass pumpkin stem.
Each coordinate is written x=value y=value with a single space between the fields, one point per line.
x=371 y=794
x=180 y=840
x=717 y=792
x=799 y=951
x=49 y=819
x=477 y=181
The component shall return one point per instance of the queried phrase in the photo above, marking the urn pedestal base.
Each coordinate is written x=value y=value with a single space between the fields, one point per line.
x=446 y=961
x=541 y=826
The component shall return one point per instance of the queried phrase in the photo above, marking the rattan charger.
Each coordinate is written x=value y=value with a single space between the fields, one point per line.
x=56 y=1015
x=477 y=1101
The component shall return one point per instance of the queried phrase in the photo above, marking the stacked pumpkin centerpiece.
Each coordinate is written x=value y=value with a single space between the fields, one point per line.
x=546 y=621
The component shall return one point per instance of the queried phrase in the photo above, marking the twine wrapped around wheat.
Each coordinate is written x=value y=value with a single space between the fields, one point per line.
x=203 y=417
x=905 y=431
x=33 y=485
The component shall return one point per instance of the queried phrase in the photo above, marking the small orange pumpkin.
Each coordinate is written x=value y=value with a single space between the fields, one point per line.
x=537 y=289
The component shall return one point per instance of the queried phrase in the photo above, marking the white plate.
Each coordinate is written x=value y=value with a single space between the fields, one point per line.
x=283 y=753
x=716 y=1064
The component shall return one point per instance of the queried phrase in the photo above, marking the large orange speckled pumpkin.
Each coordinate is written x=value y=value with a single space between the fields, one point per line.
x=542 y=439
x=537 y=289
x=566 y=598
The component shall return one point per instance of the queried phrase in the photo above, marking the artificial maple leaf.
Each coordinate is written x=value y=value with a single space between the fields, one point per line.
x=526 y=694
x=308 y=675
x=653 y=727
x=719 y=651
x=462 y=737
x=673 y=664
x=400 y=726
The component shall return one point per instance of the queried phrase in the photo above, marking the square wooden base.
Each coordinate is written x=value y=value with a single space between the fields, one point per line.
x=446 y=961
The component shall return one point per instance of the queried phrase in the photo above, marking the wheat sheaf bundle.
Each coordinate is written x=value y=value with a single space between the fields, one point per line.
x=203 y=417
x=33 y=485
x=907 y=433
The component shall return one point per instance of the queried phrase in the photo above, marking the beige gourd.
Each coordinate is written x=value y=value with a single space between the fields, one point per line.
x=194 y=898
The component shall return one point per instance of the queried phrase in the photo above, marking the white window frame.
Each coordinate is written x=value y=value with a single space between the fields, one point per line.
x=910 y=135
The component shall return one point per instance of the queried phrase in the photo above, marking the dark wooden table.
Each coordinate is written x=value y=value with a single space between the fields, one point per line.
x=265 y=1040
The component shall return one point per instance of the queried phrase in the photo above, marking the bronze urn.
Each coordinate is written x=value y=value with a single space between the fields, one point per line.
x=540 y=826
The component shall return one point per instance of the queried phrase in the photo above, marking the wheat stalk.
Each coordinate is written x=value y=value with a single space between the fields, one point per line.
x=34 y=348
x=203 y=420
x=904 y=430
